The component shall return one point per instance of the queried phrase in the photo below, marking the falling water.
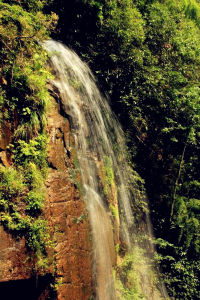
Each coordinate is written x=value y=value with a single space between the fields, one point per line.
x=99 y=143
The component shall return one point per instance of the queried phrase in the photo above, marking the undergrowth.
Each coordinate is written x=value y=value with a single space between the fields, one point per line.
x=24 y=98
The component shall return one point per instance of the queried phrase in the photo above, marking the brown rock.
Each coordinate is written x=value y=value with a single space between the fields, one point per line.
x=14 y=259
x=63 y=210
x=73 y=247
x=5 y=135
x=5 y=159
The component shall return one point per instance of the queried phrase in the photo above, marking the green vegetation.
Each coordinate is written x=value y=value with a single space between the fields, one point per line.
x=146 y=56
x=20 y=210
x=107 y=176
x=23 y=100
x=114 y=211
x=131 y=273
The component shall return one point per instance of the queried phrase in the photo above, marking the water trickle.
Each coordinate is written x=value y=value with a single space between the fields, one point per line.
x=100 y=147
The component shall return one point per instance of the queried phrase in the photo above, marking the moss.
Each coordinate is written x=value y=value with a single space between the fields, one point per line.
x=114 y=210
x=117 y=247
x=106 y=175
x=108 y=170
x=131 y=273
x=127 y=278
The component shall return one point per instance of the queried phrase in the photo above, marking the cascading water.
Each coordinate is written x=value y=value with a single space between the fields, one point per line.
x=99 y=143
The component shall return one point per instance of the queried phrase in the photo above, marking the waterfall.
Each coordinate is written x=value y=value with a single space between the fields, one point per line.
x=99 y=143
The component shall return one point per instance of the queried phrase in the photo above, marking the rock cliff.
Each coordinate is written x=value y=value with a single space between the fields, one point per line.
x=70 y=257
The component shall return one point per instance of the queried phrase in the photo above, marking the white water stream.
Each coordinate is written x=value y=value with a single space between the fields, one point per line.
x=98 y=138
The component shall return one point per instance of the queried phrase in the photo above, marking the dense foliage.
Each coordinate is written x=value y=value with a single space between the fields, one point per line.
x=23 y=100
x=146 y=55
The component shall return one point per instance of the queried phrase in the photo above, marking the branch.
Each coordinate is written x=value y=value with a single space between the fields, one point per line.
x=177 y=180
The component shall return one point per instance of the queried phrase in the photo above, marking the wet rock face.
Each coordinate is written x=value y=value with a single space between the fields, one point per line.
x=67 y=217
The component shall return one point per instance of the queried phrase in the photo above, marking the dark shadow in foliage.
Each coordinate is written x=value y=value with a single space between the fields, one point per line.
x=34 y=288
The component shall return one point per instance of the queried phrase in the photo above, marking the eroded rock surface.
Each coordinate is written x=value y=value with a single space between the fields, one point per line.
x=67 y=216
x=14 y=258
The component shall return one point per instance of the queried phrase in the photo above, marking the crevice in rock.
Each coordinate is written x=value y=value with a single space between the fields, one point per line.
x=51 y=166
